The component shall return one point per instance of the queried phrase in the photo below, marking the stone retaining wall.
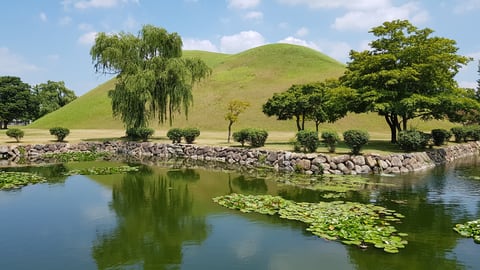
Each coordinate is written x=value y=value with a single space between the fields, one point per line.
x=283 y=161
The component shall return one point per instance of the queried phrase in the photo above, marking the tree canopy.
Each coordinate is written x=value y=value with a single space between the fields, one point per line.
x=321 y=102
x=16 y=100
x=407 y=73
x=234 y=109
x=52 y=96
x=153 y=80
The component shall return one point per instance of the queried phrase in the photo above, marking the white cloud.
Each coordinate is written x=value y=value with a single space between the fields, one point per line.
x=65 y=21
x=85 y=27
x=254 y=15
x=87 y=38
x=43 y=17
x=467 y=5
x=301 y=42
x=196 y=44
x=130 y=23
x=347 y=4
x=302 y=32
x=366 y=19
x=338 y=50
x=242 y=4
x=242 y=41
x=12 y=64
x=85 y=4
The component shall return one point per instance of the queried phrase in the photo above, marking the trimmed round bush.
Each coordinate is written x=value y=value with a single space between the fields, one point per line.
x=255 y=137
x=330 y=138
x=459 y=133
x=413 y=140
x=440 y=136
x=190 y=134
x=241 y=136
x=308 y=140
x=473 y=132
x=355 y=140
x=15 y=133
x=175 y=134
x=60 y=132
x=142 y=133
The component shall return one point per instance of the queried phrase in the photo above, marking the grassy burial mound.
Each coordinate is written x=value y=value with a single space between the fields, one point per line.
x=252 y=76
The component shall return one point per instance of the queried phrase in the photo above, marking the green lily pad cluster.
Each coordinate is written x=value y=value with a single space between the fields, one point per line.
x=357 y=224
x=14 y=180
x=469 y=229
x=102 y=170
x=76 y=156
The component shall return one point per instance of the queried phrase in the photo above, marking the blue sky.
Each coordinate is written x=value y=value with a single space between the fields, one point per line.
x=51 y=39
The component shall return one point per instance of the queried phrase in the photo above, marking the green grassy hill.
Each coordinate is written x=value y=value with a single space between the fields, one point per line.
x=253 y=76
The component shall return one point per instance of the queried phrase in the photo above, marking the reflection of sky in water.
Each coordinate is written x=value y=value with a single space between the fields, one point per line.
x=252 y=244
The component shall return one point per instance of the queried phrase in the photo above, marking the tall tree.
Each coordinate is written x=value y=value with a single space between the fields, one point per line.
x=16 y=101
x=234 y=109
x=153 y=80
x=405 y=74
x=52 y=96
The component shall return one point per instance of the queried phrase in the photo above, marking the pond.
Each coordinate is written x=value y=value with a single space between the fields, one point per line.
x=164 y=218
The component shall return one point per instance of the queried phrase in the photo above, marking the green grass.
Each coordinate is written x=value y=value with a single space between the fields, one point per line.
x=252 y=76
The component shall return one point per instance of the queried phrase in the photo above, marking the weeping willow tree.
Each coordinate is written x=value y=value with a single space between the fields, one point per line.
x=153 y=80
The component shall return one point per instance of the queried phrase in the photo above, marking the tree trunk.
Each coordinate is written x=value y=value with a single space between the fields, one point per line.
x=5 y=124
x=392 y=122
x=229 y=131
x=297 y=118
x=316 y=126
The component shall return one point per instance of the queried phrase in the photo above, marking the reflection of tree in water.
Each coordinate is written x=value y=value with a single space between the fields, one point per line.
x=155 y=221
x=53 y=173
x=183 y=175
x=248 y=185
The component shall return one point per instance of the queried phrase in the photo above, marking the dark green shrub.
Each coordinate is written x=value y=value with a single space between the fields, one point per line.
x=460 y=133
x=255 y=137
x=190 y=134
x=440 y=136
x=15 y=133
x=413 y=140
x=241 y=136
x=355 y=139
x=60 y=132
x=473 y=132
x=330 y=138
x=175 y=134
x=140 y=133
x=308 y=140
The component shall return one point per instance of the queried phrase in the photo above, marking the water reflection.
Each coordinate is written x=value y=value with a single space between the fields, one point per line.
x=154 y=222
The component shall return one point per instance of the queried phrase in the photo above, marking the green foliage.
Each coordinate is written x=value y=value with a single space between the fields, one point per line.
x=234 y=109
x=14 y=180
x=51 y=96
x=413 y=140
x=17 y=101
x=406 y=74
x=142 y=133
x=308 y=140
x=356 y=224
x=175 y=134
x=330 y=138
x=60 y=132
x=76 y=156
x=321 y=102
x=469 y=229
x=103 y=170
x=459 y=133
x=15 y=133
x=190 y=134
x=440 y=136
x=153 y=80
x=473 y=132
x=355 y=139
x=255 y=137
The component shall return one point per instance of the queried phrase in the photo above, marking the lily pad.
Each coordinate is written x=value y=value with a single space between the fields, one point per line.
x=15 y=180
x=469 y=229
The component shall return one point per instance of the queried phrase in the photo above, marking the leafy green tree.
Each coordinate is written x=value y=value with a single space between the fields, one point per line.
x=234 y=109
x=406 y=74
x=153 y=80
x=320 y=102
x=51 y=96
x=16 y=101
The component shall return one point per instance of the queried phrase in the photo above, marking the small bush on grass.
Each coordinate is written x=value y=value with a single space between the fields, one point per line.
x=241 y=136
x=459 y=133
x=440 y=136
x=255 y=137
x=330 y=138
x=473 y=132
x=308 y=140
x=143 y=133
x=190 y=134
x=413 y=140
x=355 y=139
x=175 y=134
x=60 y=132
x=15 y=133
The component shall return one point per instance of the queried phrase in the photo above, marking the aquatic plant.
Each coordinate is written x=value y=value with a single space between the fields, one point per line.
x=102 y=170
x=76 y=156
x=469 y=229
x=14 y=180
x=362 y=225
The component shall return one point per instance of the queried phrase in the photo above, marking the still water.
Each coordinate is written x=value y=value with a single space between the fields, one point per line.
x=161 y=218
